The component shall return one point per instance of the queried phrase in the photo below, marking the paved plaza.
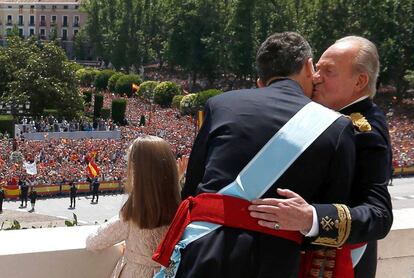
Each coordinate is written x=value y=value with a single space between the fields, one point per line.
x=54 y=211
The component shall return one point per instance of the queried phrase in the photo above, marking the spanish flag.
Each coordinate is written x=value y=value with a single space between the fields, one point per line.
x=135 y=87
x=92 y=169
x=200 y=119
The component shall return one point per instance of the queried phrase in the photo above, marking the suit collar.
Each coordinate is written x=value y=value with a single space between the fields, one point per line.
x=359 y=106
x=285 y=82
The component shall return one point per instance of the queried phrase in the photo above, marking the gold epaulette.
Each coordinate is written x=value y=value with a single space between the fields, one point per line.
x=342 y=227
x=360 y=122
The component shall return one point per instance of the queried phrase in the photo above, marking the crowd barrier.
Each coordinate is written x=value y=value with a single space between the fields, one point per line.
x=74 y=135
x=404 y=171
x=13 y=191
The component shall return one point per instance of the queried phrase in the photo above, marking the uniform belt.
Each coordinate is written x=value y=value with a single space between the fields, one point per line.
x=328 y=262
x=215 y=208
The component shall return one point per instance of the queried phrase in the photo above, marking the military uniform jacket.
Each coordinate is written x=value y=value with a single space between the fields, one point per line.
x=237 y=125
x=370 y=208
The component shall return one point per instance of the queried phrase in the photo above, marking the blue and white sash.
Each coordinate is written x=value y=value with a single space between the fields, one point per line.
x=264 y=169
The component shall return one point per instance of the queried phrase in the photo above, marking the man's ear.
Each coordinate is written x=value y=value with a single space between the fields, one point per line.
x=309 y=69
x=260 y=83
x=362 y=82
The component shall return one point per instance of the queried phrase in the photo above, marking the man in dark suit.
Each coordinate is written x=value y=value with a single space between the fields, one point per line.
x=24 y=190
x=95 y=190
x=1 y=198
x=237 y=125
x=345 y=80
x=72 y=194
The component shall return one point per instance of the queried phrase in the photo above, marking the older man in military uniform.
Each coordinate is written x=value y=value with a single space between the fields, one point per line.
x=345 y=80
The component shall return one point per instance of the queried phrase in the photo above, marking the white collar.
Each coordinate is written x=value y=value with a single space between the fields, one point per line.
x=358 y=100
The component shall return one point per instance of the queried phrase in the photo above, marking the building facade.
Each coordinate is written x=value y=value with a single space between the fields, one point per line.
x=45 y=19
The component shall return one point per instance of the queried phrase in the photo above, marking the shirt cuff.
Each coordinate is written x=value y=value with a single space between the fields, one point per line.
x=314 y=231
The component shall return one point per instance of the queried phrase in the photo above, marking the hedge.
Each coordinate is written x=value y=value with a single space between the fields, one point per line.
x=86 y=77
x=176 y=101
x=7 y=124
x=124 y=84
x=164 y=93
x=147 y=89
x=105 y=113
x=118 y=110
x=112 y=81
x=187 y=104
x=203 y=96
x=101 y=79
x=98 y=104
x=87 y=96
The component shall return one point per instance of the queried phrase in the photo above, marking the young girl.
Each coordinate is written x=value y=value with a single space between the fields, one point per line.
x=154 y=196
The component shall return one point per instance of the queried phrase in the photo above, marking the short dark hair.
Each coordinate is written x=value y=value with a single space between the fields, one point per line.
x=282 y=54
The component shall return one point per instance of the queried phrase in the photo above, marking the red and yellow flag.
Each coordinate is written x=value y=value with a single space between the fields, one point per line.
x=200 y=119
x=135 y=87
x=92 y=169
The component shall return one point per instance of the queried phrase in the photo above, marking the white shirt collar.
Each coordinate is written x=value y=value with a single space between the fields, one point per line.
x=358 y=100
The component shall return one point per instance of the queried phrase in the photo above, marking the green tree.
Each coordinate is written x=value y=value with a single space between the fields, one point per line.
x=41 y=74
x=241 y=42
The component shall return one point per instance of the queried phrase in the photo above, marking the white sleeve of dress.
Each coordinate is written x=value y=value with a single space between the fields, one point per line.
x=108 y=234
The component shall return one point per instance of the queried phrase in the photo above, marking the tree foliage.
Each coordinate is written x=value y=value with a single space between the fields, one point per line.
x=39 y=73
x=219 y=38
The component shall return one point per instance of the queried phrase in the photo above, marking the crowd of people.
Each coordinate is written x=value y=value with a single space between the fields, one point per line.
x=63 y=160
x=401 y=122
x=51 y=124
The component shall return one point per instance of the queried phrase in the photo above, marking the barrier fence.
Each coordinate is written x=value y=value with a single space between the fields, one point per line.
x=13 y=191
x=401 y=171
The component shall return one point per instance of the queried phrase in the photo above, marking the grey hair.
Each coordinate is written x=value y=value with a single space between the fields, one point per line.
x=367 y=60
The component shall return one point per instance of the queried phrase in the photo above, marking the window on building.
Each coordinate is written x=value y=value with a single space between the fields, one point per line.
x=65 y=21
x=76 y=7
x=32 y=6
x=53 y=21
x=21 y=23
x=21 y=34
x=32 y=20
x=31 y=32
x=64 y=34
x=43 y=33
x=76 y=21
x=65 y=7
x=54 y=7
x=8 y=31
x=42 y=20
x=9 y=20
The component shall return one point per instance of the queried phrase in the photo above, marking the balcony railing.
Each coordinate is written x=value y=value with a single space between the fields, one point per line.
x=21 y=23
x=9 y=23
x=42 y=23
x=65 y=24
x=76 y=24
x=53 y=252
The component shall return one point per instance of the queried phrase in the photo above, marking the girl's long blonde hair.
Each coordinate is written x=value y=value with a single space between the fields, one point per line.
x=152 y=183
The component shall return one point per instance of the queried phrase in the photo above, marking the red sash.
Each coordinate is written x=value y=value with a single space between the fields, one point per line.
x=337 y=262
x=215 y=208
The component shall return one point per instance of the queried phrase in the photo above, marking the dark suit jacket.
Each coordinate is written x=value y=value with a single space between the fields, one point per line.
x=237 y=125
x=370 y=206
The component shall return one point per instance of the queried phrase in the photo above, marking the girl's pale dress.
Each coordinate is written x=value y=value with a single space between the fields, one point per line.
x=140 y=245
